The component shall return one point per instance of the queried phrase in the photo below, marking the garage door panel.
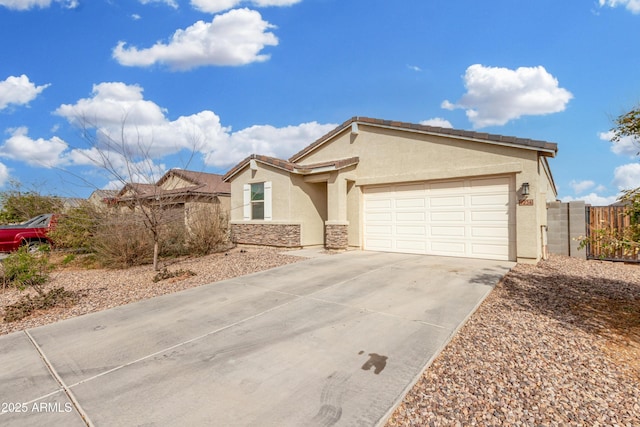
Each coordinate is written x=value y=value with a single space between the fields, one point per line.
x=448 y=231
x=490 y=232
x=446 y=201
x=409 y=230
x=448 y=216
x=490 y=200
x=467 y=218
x=379 y=203
x=413 y=246
x=411 y=216
x=378 y=244
x=490 y=216
x=379 y=216
x=447 y=248
x=386 y=230
x=411 y=203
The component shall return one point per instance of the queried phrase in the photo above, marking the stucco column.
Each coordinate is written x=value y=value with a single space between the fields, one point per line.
x=337 y=225
x=528 y=224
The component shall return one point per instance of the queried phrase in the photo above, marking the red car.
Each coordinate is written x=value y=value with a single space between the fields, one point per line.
x=31 y=233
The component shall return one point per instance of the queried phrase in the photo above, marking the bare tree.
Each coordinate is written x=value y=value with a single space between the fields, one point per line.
x=128 y=160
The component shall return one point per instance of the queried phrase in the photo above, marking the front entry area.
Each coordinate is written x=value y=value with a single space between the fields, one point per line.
x=472 y=218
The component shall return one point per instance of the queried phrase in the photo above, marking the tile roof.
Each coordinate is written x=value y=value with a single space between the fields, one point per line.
x=548 y=147
x=290 y=166
x=204 y=182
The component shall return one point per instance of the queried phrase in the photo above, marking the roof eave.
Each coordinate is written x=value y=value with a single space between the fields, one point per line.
x=549 y=150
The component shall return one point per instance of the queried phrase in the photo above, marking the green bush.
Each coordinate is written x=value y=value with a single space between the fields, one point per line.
x=25 y=269
x=75 y=230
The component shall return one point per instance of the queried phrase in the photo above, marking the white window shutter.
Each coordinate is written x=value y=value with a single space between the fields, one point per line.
x=268 y=210
x=246 y=205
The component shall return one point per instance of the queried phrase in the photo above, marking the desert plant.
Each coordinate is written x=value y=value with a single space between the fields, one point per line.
x=76 y=229
x=165 y=274
x=207 y=229
x=28 y=304
x=122 y=241
x=25 y=269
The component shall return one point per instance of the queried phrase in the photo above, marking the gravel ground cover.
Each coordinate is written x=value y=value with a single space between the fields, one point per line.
x=554 y=344
x=103 y=289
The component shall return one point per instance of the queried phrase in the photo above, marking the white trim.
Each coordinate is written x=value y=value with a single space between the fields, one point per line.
x=268 y=205
x=246 y=202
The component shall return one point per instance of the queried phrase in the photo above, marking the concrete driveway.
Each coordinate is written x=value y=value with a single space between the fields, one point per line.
x=332 y=340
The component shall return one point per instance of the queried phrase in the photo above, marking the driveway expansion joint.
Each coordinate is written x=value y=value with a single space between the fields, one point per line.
x=60 y=381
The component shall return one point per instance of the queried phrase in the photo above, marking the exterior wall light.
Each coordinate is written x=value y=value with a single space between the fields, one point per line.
x=525 y=189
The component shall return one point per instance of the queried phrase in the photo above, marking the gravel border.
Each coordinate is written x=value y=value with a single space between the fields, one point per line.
x=102 y=289
x=554 y=344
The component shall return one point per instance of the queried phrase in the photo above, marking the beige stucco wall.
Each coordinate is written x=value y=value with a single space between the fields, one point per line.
x=173 y=182
x=293 y=201
x=390 y=156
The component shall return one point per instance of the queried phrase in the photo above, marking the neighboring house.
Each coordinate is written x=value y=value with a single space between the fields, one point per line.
x=177 y=187
x=399 y=187
x=180 y=191
x=103 y=198
x=71 y=203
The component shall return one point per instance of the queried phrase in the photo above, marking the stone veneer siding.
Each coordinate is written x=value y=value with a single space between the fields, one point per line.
x=280 y=235
x=336 y=236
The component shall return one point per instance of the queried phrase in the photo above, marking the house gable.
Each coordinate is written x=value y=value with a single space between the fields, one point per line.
x=352 y=126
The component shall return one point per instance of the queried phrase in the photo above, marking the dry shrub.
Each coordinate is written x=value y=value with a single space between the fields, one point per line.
x=172 y=233
x=207 y=229
x=122 y=240
x=29 y=304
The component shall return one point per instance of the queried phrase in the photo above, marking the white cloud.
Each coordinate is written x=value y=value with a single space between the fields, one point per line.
x=581 y=186
x=31 y=4
x=626 y=146
x=215 y=6
x=35 y=152
x=497 y=95
x=631 y=5
x=414 y=68
x=592 y=199
x=437 y=122
x=627 y=176
x=18 y=91
x=116 y=110
x=4 y=175
x=170 y=3
x=234 y=38
x=267 y=140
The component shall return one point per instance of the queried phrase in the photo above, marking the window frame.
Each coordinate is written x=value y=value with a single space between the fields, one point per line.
x=248 y=203
x=255 y=201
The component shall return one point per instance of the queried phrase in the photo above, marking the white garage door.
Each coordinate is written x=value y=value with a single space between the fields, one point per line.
x=472 y=218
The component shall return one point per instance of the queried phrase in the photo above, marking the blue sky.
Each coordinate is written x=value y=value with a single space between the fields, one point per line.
x=201 y=84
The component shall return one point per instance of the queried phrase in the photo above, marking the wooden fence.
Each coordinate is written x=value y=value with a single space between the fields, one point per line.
x=603 y=222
